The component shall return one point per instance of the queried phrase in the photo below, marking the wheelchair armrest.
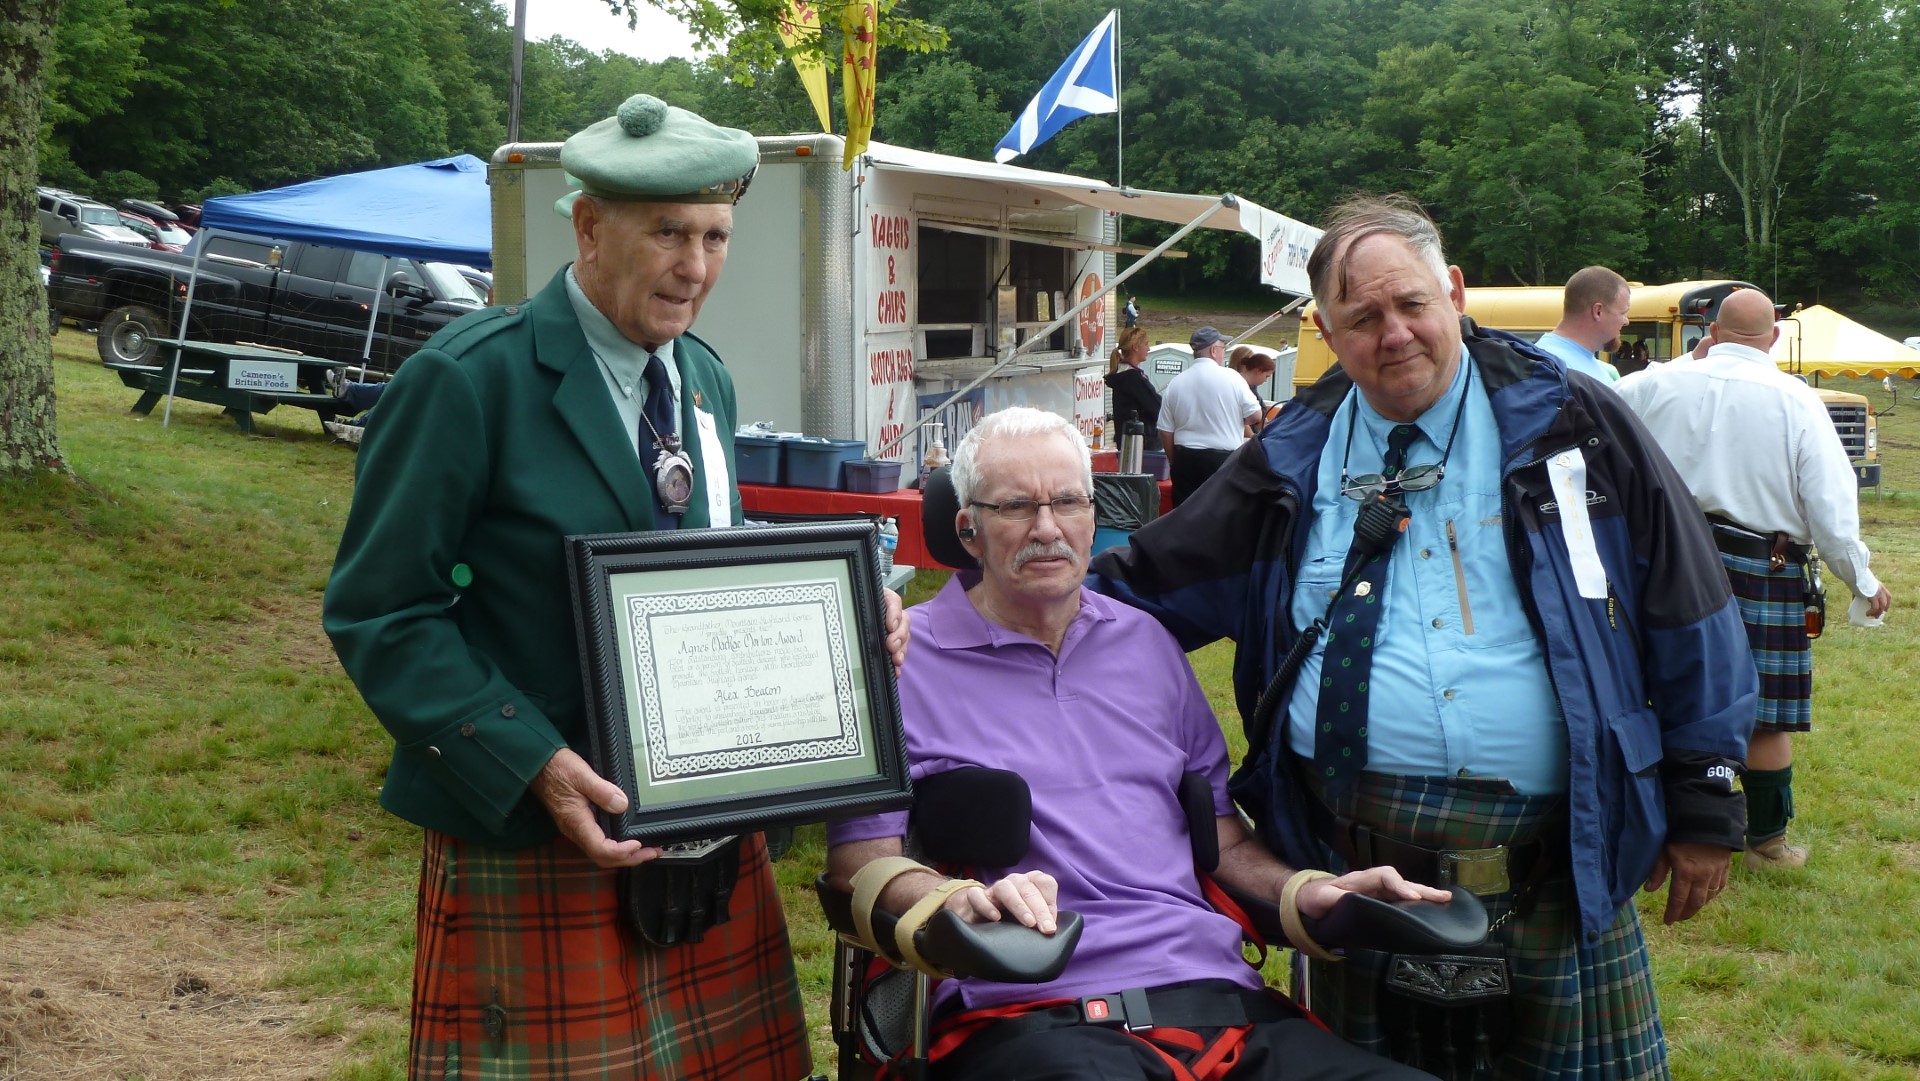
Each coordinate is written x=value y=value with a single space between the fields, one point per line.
x=1005 y=952
x=1357 y=921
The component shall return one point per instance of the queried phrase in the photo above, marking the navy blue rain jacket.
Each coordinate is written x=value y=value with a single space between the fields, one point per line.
x=1656 y=681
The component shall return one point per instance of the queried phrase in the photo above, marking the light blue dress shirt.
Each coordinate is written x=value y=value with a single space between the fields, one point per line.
x=1577 y=357
x=623 y=362
x=1459 y=685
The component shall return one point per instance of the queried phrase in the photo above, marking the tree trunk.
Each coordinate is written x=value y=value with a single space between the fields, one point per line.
x=28 y=443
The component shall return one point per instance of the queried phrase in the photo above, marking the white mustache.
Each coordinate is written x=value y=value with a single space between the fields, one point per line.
x=1054 y=549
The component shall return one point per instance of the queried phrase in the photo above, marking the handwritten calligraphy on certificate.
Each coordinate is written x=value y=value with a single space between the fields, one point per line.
x=743 y=678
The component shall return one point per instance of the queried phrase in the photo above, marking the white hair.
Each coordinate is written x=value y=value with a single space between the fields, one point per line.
x=1013 y=422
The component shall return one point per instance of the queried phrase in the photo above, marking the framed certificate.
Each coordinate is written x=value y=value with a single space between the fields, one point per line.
x=737 y=679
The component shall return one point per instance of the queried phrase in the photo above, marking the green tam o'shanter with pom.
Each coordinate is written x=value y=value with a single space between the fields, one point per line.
x=653 y=152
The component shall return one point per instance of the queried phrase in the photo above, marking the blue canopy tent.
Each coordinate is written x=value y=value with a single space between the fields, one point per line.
x=432 y=211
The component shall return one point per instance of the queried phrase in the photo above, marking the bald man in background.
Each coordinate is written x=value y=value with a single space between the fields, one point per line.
x=1760 y=453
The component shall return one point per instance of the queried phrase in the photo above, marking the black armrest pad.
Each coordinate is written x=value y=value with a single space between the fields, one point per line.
x=1005 y=952
x=1357 y=921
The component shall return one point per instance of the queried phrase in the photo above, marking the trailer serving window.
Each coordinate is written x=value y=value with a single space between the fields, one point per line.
x=1038 y=273
x=956 y=291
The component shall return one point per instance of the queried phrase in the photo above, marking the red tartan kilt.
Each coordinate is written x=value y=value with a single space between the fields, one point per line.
x=524 y=970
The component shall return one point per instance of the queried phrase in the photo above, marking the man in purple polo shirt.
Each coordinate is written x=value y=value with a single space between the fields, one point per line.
x=1017 y=667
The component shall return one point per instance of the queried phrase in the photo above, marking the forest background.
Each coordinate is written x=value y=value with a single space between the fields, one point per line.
x=1771 y=140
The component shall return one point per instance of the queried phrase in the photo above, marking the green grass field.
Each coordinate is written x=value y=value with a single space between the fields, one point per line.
x=198 y=882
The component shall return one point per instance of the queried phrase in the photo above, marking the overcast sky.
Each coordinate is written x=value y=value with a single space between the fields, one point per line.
x=587 y=22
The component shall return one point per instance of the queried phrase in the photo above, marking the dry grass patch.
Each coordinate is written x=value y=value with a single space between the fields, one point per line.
x=160 y=991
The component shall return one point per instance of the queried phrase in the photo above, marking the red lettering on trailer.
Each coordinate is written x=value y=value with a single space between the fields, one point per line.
x=887 y=366
x=890 y=231
x=892 y=306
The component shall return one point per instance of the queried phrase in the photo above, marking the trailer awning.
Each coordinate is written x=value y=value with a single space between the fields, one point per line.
x=1284 y=242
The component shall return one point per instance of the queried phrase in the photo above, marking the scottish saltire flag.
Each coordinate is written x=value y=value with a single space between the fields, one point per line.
x=1083 y=86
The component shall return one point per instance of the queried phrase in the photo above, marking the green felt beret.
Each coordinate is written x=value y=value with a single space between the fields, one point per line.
x=653 y=152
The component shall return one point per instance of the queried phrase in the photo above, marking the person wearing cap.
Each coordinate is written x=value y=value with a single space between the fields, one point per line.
x=1204 y=415
x=545 y=948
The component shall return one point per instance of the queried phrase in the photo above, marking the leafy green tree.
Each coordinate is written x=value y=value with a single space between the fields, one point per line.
x=941 y=109
x=1873 y=224
x=1525 y=125
x=1762 y=62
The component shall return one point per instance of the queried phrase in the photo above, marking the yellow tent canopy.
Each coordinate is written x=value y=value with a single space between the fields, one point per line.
x=1819 y=340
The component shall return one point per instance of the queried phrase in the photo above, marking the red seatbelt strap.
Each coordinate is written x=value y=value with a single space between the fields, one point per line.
x=1226 y=906
x=1215 y=1059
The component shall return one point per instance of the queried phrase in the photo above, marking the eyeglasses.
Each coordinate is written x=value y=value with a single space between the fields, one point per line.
x=1025 y=510
x=1416 y=478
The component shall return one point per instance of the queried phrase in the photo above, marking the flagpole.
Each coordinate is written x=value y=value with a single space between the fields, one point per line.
x=1119 y=111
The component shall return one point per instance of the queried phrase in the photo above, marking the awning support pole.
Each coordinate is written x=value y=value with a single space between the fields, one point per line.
x=1041 y=335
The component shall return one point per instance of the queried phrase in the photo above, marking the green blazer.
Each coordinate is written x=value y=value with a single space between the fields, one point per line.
x=449 y=604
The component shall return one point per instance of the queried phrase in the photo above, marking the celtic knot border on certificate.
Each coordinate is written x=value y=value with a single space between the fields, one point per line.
x=661 y=765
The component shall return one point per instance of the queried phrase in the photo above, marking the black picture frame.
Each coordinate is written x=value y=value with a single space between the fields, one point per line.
x=737 y=679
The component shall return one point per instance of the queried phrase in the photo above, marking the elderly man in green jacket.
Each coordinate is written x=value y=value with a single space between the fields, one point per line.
x=589 y=409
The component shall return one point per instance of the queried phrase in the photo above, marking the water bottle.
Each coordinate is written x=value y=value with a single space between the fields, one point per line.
x=889 y=542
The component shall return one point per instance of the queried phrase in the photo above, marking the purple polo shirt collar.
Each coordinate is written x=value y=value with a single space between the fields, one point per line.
x=952 y=622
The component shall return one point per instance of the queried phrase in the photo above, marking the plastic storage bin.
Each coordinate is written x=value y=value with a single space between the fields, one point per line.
x=816 y=463
x=872 y=475
x=1105 y=537
x=757 y=459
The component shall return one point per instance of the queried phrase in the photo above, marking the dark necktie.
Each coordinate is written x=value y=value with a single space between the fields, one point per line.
x=656 y=423
x=1340 y=721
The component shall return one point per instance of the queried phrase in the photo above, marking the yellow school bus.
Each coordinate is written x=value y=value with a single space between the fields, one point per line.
x=1670 y=318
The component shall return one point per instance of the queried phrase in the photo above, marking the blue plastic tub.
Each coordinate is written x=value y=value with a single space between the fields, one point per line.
x=757 y=459
x=817 y=463
x=872 y=475
x=1105 y=537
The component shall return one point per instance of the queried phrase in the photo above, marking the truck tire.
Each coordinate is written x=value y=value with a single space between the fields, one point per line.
x=124 y=335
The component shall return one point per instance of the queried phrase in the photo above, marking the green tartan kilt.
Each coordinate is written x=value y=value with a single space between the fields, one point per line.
x=1579 y=1012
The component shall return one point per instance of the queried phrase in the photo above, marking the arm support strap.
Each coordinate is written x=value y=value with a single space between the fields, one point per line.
x=1290 y=916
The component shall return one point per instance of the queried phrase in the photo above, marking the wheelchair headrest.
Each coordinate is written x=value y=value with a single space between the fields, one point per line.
x=938 y=505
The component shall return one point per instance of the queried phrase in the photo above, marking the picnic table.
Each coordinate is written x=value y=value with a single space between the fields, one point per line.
x=242 y=379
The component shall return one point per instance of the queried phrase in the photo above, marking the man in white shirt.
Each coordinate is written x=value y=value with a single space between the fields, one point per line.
x=1204 y=414
x=1759 y=451
x=1592 y=315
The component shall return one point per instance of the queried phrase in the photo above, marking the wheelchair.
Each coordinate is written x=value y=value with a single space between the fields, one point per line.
x=881 y=1006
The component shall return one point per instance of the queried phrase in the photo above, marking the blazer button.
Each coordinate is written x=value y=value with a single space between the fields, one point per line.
x=467 y=729
x=433 y=752
x=508 y=710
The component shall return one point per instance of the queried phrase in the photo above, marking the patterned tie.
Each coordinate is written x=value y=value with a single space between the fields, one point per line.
x=656 y=416
x=1340 y=721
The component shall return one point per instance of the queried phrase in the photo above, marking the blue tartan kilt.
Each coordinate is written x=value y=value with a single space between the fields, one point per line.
x=1581 y=1011
x=1773 y=606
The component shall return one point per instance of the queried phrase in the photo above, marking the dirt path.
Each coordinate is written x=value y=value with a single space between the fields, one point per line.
x=160 y=992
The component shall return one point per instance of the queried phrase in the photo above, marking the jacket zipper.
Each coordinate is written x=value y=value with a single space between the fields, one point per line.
x=1460 y=578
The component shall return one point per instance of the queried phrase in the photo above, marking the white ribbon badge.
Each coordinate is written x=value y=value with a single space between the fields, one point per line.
x=1568 y=473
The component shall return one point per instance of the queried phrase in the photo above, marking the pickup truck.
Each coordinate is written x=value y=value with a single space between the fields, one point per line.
x=286 y=294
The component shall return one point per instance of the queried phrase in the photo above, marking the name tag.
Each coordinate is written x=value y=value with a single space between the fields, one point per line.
x=1567 y=471
x=717 y=464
